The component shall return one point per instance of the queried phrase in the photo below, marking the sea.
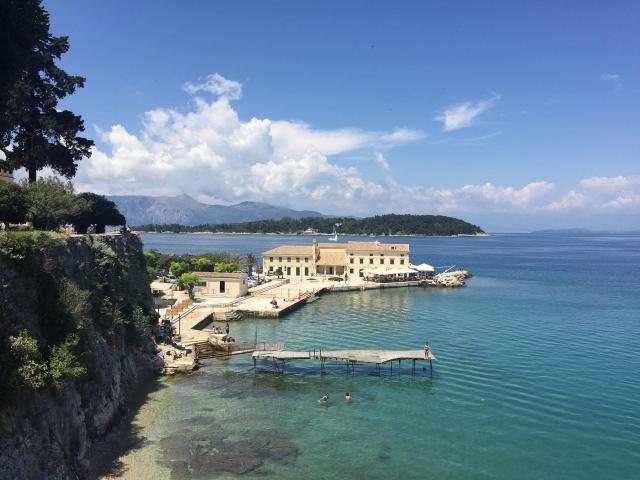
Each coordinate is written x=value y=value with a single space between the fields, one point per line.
x=537 y=374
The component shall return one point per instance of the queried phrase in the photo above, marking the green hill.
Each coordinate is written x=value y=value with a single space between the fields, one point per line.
x=392 y=224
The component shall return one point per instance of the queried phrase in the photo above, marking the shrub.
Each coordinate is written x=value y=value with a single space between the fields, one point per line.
x=98 y=210
x=32 y=370
x=51 y=203
x=188 y=281
x=178 y=268
x=63 y=362
x=336 y=279
x=13 y=203
x=227 y=267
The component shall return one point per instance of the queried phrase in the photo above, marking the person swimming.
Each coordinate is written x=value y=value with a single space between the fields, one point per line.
x=347 y=397
x=325 y=398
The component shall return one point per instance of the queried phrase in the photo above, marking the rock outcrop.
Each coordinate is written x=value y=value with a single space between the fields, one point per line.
x=46 y=432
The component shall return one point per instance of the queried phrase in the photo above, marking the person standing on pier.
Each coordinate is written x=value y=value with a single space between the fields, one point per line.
x=227 y=329
x=426 y=350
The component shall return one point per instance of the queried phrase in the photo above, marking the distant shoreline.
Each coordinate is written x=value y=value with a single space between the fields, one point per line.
x=291 y=234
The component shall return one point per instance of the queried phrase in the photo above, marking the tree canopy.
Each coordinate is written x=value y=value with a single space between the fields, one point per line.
x=391 y=224
x=98 y=211
x=34 y=132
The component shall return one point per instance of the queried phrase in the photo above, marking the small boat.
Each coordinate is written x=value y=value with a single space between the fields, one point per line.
x=334 y=237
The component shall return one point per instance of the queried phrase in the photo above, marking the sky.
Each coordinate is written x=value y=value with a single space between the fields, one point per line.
x=514 y=116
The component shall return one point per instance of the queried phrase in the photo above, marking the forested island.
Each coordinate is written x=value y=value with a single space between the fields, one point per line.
x=392 y=224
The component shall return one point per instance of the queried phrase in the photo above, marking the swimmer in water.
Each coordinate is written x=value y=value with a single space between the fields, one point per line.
x=325 y=398
x=347 y=397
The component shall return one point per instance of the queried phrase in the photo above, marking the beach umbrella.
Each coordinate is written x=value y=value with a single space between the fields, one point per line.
x=424 y=267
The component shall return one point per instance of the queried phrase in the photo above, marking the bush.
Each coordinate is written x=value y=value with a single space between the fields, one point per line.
x=227 y=267
x=188 y=281
x=63 y=362
x=51 y=203
x=13 y=203
x=178 y=268
x=96 y=210
x=32 y=370
x=336 y=279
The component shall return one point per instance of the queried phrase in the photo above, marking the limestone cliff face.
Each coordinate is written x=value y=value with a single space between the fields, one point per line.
x=47 y=432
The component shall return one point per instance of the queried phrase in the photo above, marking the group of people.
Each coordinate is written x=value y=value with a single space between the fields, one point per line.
x=218 y=330
x=325 y=398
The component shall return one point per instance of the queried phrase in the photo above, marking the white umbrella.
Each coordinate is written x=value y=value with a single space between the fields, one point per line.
x=424 y=267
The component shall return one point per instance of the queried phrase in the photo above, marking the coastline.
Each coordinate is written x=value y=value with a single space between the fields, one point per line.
x=293 y=234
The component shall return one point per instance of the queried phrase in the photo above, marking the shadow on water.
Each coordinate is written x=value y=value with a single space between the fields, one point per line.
x=124 y=436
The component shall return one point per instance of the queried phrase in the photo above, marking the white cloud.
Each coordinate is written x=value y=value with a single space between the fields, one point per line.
x=610 y=183
x=210 y=153
x=217 y=85
x=610 y=77
x=461 y=115
x=213 y=155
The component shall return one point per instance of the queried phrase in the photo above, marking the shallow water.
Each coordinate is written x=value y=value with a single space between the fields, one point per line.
x=536 y=378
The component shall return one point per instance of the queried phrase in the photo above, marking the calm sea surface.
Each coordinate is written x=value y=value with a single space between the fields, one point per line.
x=538 y=373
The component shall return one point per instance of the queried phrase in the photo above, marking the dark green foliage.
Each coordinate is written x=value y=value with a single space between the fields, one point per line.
x=379 y=225
x=71 y=315
x=31 y=368
x=250 y=260
x=13 y=203
x=178 y=268
x=34 y=132
x=226 y=267
x=188 y=282
x=98 y=211
x=51 y=203
x=63 y=362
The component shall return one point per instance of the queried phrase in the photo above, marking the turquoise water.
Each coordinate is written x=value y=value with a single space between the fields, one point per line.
x=536 y=378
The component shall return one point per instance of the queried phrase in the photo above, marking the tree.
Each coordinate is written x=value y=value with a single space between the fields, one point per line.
x=278 y=272
x=34 y=132
x=178 y=268
x=51 y=203
x=203 y=264
x=226 y=267
x=188 y=281
x=13 y=202
x=250 y=261
x=99 y=211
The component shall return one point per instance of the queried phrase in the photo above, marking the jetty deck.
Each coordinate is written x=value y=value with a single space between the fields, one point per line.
x=350 y=357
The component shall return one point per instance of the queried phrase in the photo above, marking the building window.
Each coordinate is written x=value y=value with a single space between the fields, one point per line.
x=280 y=259
x=289 y=259
x=361 y=261
x=297 y=271
x=288 y=271
x=351 y=260
x=351 y=270
x=402 y=254
x=271 y=259
x=402 y=261
x=382 y=261
x=306 y=259
x=392 y=261
x=371 y=254
x=306 y=271
x=371 y=261
x=382 y=254
x=361 y=273
x=297 y=259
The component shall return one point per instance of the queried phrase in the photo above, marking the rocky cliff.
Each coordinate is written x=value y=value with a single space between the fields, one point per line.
x=76 y=322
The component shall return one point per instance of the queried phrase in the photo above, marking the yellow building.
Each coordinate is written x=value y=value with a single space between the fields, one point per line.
x=352 y=258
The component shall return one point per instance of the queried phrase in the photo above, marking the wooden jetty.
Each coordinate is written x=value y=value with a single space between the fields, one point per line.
x=350 y=357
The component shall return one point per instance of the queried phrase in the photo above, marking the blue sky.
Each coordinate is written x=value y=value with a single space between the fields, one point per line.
x=513 y=115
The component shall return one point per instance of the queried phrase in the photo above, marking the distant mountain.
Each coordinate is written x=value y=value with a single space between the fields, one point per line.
x=185 y=210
